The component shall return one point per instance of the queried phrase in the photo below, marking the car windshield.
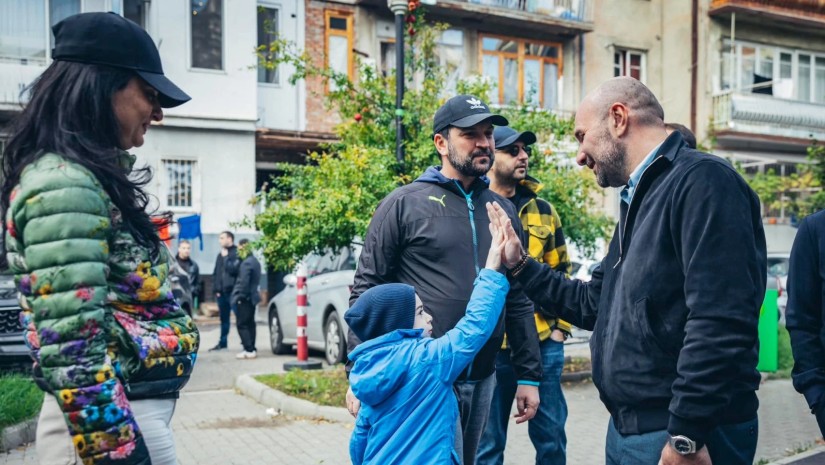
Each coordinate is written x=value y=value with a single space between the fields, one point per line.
x=778 y=266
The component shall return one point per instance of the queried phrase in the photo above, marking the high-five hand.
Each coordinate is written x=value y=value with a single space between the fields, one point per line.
x=496 y=248
x=513 y=250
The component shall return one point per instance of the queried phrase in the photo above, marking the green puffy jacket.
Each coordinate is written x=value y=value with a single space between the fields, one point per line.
x=100 y=317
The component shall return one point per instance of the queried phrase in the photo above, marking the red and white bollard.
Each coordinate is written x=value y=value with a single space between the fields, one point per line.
x=301 y=300
x=303 y=362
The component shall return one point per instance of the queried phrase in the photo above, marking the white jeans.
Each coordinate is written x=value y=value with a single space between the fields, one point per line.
x=154 y=417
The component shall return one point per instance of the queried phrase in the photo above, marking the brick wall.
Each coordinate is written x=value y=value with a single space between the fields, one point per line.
x=319 y=119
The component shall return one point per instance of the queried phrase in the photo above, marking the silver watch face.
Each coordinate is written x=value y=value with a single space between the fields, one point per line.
x=683 y=445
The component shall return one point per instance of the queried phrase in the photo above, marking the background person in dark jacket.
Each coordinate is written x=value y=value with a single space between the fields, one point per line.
x=430 y=234
x=245 y=298
x=190 y=267
x=223 y=282
x=805 y=313
x=674 y=306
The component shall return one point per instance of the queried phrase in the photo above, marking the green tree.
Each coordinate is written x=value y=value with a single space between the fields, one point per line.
x=799 y=193
x=330 y=200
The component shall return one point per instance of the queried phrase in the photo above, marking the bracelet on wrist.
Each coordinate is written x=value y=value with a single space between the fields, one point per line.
x=522 y=263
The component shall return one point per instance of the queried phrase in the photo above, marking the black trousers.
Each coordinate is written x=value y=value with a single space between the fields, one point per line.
x=245 y=314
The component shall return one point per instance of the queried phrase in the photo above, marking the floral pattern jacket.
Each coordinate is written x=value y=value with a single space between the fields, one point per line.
x=99 y=314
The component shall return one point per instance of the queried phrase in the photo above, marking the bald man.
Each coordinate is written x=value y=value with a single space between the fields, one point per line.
x=674 y=305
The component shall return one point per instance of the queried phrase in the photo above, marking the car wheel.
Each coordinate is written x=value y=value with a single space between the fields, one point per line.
x=276 y=336
x=335 y=345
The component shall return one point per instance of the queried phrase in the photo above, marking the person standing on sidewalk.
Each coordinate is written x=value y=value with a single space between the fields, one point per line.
x=430 y=234
x=111 y=347
x=805 y=312
x=674 y=306
x=223 y=283
x=545 y=244
x=184 y=258
x=245 y=299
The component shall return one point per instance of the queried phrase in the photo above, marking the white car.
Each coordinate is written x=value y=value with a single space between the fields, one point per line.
x=329 y=282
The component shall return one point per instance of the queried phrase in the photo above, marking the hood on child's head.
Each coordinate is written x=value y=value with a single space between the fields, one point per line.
x=382 y=309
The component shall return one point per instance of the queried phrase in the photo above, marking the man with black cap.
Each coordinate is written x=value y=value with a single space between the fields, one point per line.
x=545 y=243
x=429 y=234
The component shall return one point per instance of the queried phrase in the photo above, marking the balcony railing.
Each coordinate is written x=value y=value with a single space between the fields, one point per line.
x=766 y=115
x=804 y=12
x=568 y=10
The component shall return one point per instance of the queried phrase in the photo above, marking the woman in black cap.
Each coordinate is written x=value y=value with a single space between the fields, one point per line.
x=110 y=345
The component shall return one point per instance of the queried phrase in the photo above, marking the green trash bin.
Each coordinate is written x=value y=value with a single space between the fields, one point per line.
x=769 y=333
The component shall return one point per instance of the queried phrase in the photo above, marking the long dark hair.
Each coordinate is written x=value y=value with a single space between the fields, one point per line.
x=70 y=113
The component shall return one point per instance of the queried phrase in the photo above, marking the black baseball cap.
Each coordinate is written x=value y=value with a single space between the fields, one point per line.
x=464 y=111
x=112 y=40
x=505 y=136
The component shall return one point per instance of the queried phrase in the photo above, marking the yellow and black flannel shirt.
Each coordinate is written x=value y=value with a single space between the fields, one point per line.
x=545 y=244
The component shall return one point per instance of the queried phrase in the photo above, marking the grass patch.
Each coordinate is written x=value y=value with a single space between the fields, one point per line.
x=323 y=387
x=785 y=359
x=576 y=364
x=20 y=399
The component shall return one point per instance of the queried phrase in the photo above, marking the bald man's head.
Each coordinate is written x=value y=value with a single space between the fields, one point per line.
x=615 y=126
x=643 y=106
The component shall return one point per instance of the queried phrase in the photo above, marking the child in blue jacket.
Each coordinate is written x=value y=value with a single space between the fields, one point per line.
x=404 y=378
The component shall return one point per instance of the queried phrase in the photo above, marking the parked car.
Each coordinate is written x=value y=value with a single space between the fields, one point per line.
x=329 y=283
x=14 y=354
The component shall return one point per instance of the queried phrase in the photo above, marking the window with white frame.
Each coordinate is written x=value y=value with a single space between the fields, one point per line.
x=23 y=30
x=267 y=33
x=782 y=72
x=178 y=184
x=24 y=35
x=206 y=29
x=629 y=63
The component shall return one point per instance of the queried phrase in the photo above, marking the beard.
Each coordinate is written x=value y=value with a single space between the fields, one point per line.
x=508 y=176
x=468 y=166
x=612 y=163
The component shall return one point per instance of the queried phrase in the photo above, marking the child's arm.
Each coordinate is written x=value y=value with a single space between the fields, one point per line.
x=358 y=441
x=457 y=348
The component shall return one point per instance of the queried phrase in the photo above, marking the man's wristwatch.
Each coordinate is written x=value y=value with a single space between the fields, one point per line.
x=683 y=445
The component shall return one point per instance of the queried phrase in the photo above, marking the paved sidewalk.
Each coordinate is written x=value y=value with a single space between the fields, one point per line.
x=215 y=425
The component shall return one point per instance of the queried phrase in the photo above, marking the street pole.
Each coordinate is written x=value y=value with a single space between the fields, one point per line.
x=303 y=362
x=400 y=9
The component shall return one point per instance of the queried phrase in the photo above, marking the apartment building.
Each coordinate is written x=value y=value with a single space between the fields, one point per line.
x=203 y=152
x=748 y=76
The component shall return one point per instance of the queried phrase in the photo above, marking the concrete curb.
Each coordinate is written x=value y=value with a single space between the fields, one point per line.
x=263 y=394
x=17 y=435
x=576 y=376
x=817 y=452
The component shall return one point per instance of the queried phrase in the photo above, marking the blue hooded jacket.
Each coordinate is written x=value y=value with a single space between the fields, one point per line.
x=405 y=384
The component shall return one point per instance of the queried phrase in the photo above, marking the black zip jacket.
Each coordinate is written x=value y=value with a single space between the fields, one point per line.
x=674 y=306
x=226 y=271
x=805 y=314
x=434 y=236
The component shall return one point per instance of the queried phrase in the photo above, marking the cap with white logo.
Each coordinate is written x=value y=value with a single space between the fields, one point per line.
x=464 y=111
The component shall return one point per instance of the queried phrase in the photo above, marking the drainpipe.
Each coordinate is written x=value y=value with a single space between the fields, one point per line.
x=694 y=60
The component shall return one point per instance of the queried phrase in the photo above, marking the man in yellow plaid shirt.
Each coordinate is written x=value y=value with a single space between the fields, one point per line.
x=508 y=177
